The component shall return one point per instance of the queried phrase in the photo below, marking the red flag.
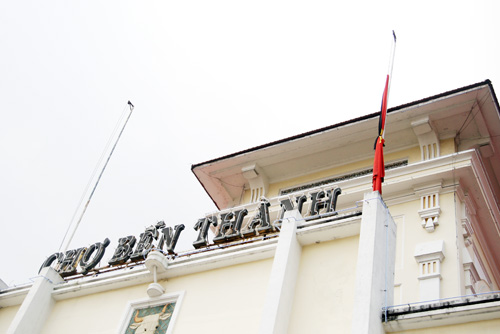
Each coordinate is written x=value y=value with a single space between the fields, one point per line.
x=378 y=162
x=378 y=165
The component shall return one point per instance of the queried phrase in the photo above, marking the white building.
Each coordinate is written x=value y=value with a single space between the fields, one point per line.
x=302 y=244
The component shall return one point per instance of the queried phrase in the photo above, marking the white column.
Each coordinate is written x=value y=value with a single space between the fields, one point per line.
x=374 y=287
x=281 y=288
x=37 y=305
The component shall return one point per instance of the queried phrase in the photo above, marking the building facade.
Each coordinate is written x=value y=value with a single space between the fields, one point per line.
x=300 y=243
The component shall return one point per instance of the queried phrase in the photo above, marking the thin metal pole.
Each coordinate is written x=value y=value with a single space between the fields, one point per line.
x=389 y=70
x=98 y=179
x=393 y=53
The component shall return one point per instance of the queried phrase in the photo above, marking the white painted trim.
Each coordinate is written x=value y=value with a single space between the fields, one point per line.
x=14 y=295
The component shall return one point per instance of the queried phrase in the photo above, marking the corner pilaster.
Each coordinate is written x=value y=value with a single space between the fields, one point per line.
x=37 y=305
x=281 y=289
x=374 y=287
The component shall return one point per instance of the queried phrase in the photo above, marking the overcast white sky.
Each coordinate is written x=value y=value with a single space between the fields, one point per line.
x=208 y=78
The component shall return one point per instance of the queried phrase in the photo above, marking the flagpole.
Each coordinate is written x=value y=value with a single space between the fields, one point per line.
x=378 y=161
x=131 y=106
x=389 y=70
x=393 y=52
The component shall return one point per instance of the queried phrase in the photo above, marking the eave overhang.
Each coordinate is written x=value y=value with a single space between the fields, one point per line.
x=469 y=114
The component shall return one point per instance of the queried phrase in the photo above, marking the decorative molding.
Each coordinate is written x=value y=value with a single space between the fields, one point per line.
x=467 y=231
x=475 y=270
x=427 y=138
x=478 y=262
x=429 y=204
x=257 y=180
x=470 y=273
x=429 y=256
x=470 y=205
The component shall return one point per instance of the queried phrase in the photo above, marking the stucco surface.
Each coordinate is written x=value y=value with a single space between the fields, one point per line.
x=215 y=301
x=325 y=287
x=7 y=314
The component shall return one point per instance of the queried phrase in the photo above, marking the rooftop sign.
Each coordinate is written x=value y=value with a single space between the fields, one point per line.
x=229 y=225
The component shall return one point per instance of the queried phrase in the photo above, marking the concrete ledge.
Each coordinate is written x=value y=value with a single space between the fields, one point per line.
x=444 y=313
x=14 y=296
x=312 y=232
x=141 y=275
x=317 y=231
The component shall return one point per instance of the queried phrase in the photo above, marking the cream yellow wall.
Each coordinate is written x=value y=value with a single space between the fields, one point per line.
x=221 y=299
x=412 y=154
x=478 y=327
x=275 y=188
x=410 y=231
x=409 y=234
x=7 y=314
x=447 y=146
x=324 y=293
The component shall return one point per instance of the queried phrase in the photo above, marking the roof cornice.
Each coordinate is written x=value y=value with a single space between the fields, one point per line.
x=487 y=82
